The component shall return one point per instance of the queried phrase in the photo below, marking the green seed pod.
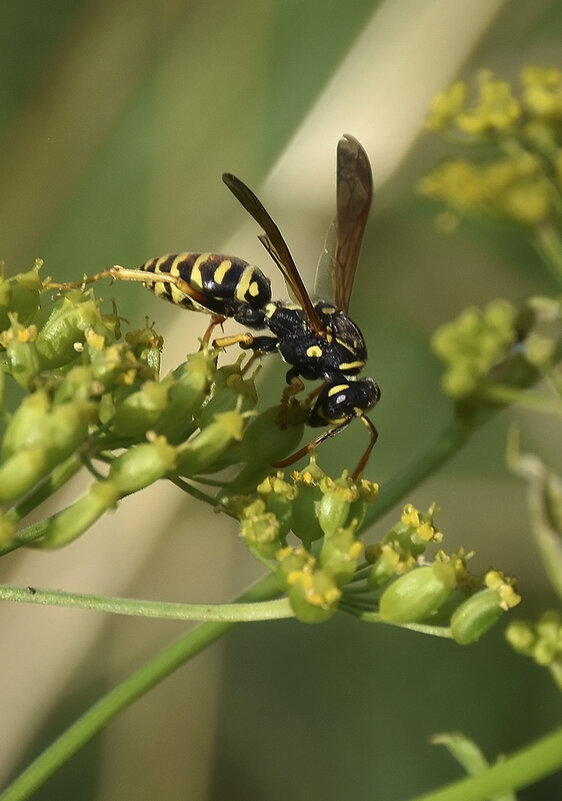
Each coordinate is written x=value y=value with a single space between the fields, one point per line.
x=475 y=616
x=140 y=410
x=385 y=561
x=21 y=471
x=142 y=465
x=186 y=396
x=38 y=437
x=21 y=352
x=59 y=429
x=229 y=391
x=305 y=516
x=334 y=506
x=418 y=594
x=266 y=440
x=83 y=513
x=64 y=330
x=112 y=365
x=206 y=451
x=260 y=529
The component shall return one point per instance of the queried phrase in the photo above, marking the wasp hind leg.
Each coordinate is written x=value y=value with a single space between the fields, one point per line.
x=146 y=277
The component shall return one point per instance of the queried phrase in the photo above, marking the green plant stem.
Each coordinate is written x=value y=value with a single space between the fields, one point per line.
x=548 y=243
x=230 y=613
x=501 y=393
x=150 y=674
x=524 y=767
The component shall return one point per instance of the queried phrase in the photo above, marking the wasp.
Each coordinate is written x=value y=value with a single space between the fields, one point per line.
x=316 y=338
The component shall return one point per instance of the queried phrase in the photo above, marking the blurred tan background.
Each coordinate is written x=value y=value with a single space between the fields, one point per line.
x=117 y=121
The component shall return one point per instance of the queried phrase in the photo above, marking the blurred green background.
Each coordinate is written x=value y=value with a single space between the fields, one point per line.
x=117 y=120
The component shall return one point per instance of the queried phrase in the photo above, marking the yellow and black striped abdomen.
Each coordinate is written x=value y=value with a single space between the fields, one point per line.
x=221 y=284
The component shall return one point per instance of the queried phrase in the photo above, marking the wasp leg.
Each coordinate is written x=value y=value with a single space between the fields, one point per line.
x=118 y=273
x=263 y=344
x=331 y=432
x=365 y=458
x=79 y=284
x=216 y=319
x=254 y=356
x=295 y=386
x=245 y=340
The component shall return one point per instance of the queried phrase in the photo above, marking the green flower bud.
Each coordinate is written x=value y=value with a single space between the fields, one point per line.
x=20 y=296
x=112 y=365
x=21 y=351
x=521 y=636
x=340 y=554
x=146 y=345
x=260 y=530
x=539 y=350
x=418 y=594
x=313 y=596
x=142 y=465
x=83 y=513
x=278 y=496
x=541 y=641
x=293 y=560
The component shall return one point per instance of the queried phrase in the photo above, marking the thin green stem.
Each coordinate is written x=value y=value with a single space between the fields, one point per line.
x=521 y=769
x=197 y=493
x=501 y=393
x=232 y=613
x=150 y=674
x=548 y=243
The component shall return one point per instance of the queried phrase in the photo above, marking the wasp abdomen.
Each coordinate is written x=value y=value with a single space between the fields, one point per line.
x=224 y=285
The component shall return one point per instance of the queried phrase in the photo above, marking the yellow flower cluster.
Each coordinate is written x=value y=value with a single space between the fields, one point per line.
x=518 y=177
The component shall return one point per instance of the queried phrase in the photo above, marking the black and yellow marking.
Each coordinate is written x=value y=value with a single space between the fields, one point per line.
x=317 y=339
x=224 y=283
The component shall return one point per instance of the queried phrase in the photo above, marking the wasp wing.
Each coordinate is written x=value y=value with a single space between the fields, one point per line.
x=354 y=192
x=325 y=278
x=275 y=245
x=266 y=242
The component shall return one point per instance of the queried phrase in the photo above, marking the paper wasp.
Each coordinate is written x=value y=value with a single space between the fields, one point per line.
x=317 y=339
